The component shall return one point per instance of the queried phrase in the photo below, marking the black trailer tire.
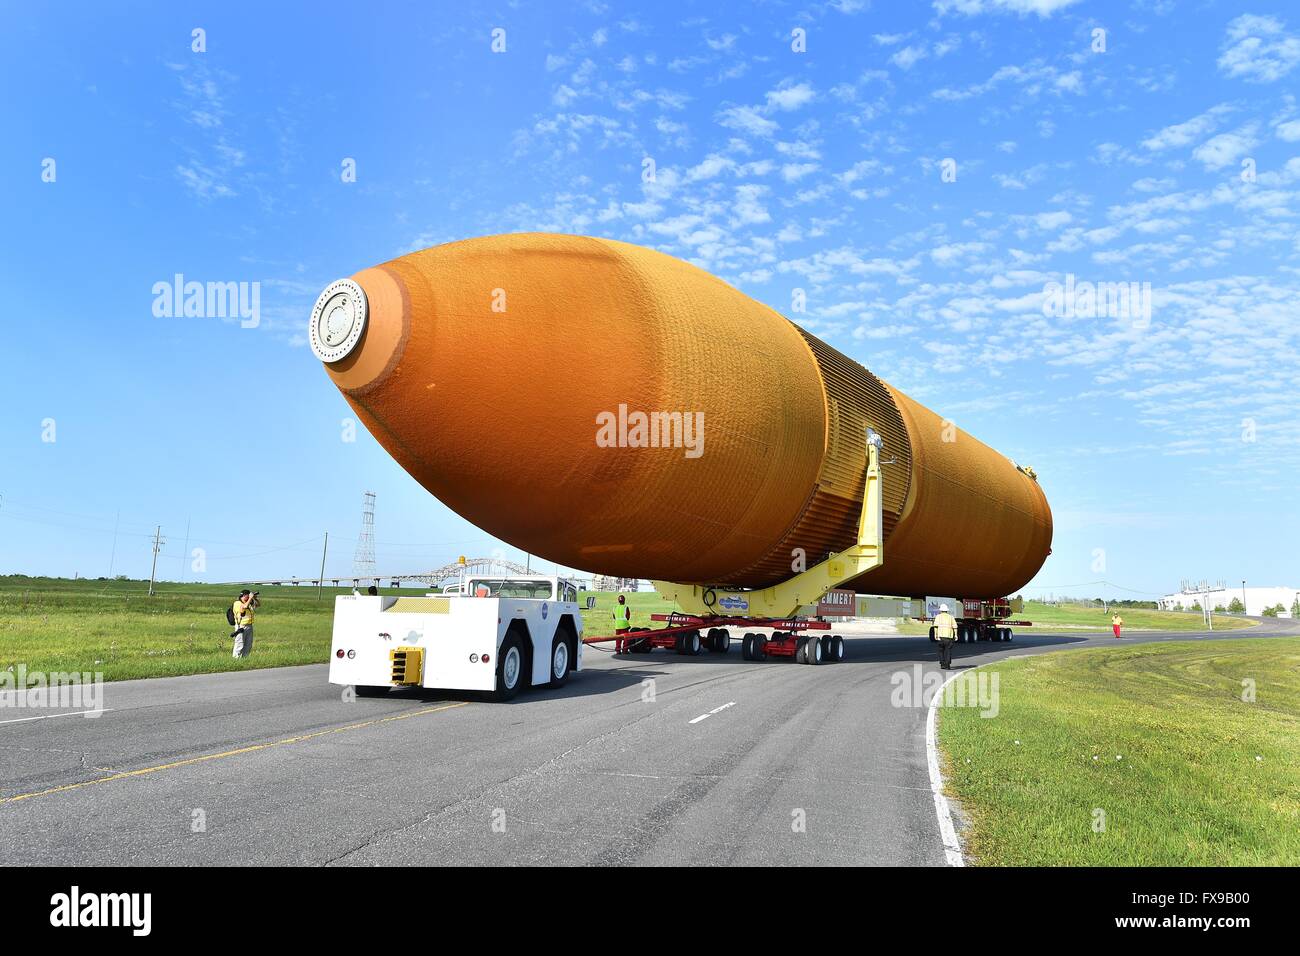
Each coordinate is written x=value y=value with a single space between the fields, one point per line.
x=833 y=649
x=812 y=650
x=724 y=641
x=745 y=644
x=364 y=690
x=510 y=660
x=932 y=637
x=639 y=645
x=693 y=645
x=759 y=648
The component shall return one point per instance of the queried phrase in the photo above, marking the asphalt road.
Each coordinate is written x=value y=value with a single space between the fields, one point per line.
x=278 y=769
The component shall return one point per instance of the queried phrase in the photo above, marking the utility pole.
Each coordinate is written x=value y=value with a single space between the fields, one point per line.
x=112 y=556
x=158 y=542
x=320 y=585
x=1244 y=609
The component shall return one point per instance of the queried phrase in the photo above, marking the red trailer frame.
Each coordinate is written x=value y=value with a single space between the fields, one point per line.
x=683 y=636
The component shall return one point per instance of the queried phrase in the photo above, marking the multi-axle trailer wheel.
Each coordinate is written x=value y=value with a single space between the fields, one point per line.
x=683 y=636
x=969 y=633
x=802 y=648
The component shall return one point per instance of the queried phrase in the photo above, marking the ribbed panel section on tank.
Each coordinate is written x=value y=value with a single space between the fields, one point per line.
x=855 y=399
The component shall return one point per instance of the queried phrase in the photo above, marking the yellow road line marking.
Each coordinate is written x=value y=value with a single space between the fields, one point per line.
x=229 y=753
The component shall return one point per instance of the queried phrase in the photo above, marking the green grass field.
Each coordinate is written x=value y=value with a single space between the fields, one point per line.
x=1155 y=736
x=1094 y=618
x=114 y=627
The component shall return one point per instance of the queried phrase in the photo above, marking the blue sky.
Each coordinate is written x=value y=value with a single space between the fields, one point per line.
x=1168 y=448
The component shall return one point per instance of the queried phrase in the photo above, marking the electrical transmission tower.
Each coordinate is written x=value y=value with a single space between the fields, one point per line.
x=363 y=562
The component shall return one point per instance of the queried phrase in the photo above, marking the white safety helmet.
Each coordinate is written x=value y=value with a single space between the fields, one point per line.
x=944 y=608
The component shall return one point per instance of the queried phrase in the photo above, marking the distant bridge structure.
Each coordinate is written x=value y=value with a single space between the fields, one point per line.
x=435 y=578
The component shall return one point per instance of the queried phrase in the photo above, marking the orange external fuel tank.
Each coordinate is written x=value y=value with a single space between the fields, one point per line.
x=506 y=374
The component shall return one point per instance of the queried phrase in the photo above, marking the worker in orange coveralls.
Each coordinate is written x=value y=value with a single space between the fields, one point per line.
x=622 y=615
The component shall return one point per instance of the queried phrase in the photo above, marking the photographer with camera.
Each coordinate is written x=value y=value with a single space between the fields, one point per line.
x=242 y=612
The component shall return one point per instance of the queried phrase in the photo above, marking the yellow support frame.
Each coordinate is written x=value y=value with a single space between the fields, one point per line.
x=807 y=587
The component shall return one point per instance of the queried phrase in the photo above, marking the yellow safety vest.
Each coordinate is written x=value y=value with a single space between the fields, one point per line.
x=243 y=614
x=622 y=615
x=945 y=626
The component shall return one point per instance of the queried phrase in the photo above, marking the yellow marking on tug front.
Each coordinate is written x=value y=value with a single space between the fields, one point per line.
x=408 y=664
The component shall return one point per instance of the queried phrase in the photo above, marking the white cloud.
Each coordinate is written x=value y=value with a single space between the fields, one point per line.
x=748 y=209
x=1227 y=148
x=710 y=167
x=1149 y=184
x=1052 y=220
x=1289 y=131
x=1258 y=49
x=908 y=56
x=792 y=172
x=790 y=97
x=1044 y=8
x=747 y=119
x=944 y=255
x=1033 y=78
x=1183 y=133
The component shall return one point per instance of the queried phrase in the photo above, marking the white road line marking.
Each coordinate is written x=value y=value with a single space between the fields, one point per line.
x=713 y=711
x=951 y=846
x=75 y=713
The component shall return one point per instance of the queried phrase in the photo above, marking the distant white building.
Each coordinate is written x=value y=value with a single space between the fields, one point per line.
x=605 y=582
x=1255 y=599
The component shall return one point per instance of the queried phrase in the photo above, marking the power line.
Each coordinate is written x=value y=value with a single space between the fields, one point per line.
x=1086 y=584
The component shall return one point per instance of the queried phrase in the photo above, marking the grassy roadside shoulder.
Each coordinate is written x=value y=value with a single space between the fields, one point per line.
x=113 y=627
x=1134 y=756
x=1083 y=617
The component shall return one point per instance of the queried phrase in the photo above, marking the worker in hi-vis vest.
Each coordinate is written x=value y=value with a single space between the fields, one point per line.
x=945 y=632
x=622 y=615
x=1116 y=622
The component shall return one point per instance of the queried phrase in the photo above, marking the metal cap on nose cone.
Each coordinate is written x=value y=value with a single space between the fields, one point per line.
x=337 y=320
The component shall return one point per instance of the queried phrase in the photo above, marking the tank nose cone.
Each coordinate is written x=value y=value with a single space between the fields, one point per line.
x=337 y=320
